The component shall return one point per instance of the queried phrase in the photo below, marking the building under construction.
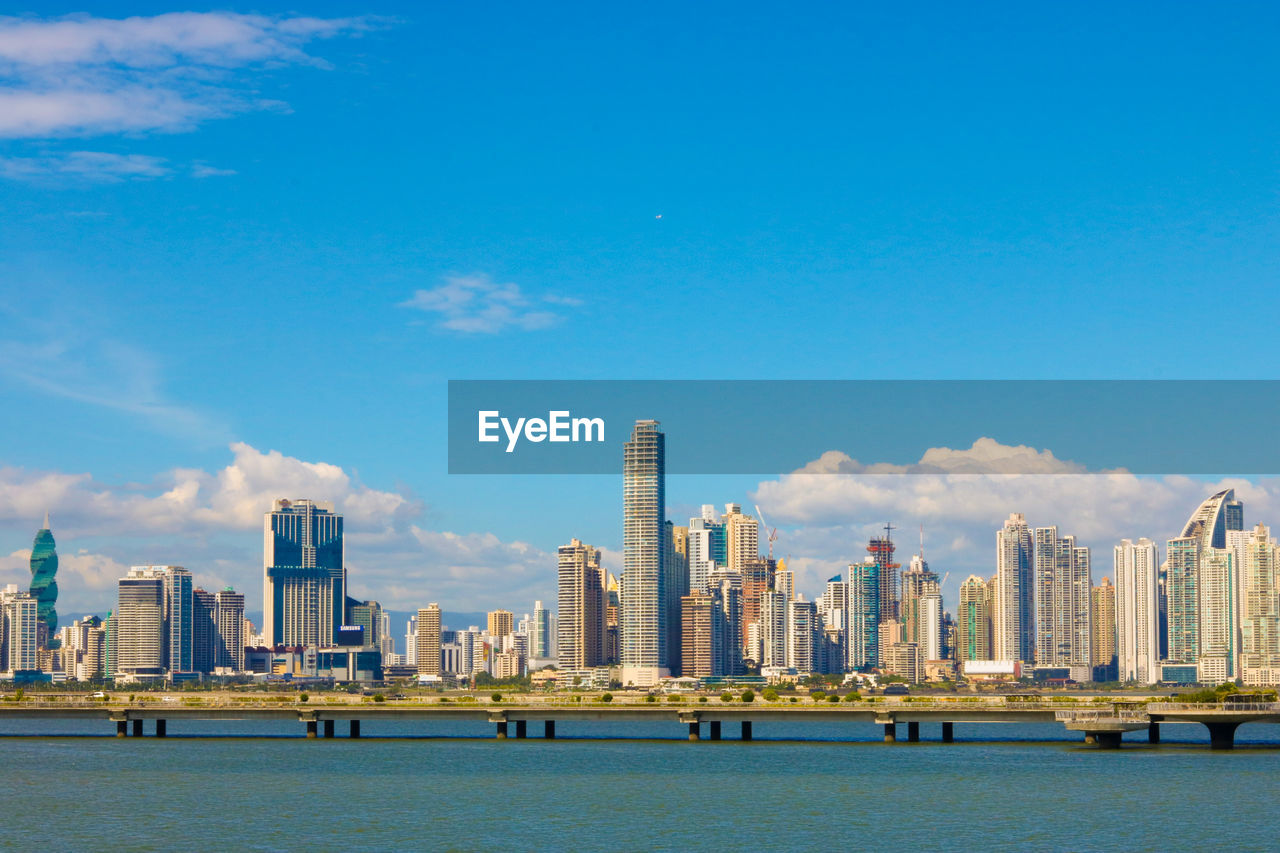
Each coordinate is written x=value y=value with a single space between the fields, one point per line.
x=881 y=551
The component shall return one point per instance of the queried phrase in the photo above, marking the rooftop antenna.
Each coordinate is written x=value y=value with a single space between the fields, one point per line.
x=922 y=542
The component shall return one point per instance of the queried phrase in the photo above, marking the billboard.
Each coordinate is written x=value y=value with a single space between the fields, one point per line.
x=350 y=635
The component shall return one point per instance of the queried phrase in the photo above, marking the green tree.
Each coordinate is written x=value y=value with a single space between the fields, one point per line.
x=770 y=695
x=748 y=696
x=833 y=697
x=497 y=697
x=726 y=696
x=302 y=697
x=818 y=695
x=608 y=697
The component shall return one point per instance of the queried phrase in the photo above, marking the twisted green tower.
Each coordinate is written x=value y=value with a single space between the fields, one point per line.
x=44 y=587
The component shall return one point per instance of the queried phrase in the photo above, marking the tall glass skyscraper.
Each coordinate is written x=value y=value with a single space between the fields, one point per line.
x=44 y=586
x=644 y=584
x=304 y=574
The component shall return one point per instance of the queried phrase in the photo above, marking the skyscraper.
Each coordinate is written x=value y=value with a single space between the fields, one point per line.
x=304 y=575
x=881 y=550
x=973 y=620
x=742 y=537
x=1102 y=628
x=676 y=563
x=204 y=630
x=1260 y=623
x=138 y=624
x=1062 y=572
x=702 y=635
x=1218 y=611
x=701 y=547
x=428 y=640
x=864 y=615
x=1137 y=611
x=581 y=622
x=19 y=648
x=501 y=624
x=228 y=649
x=918 y=583
x=1182 y=589
x=540 y=637
x=1013 y=605
x=44 y=585
x=643 y=622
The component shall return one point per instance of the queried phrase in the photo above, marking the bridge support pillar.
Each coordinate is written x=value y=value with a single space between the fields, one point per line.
x=694 y=732
x=137 y=728
x=1108 y=740
x=746 y=730
x=1222 y=735
x=715 y=729
x=1153 y=733
x=122 y=728
x=355 y=728
x=312 y=728
x=161 y=728
x=549 y=730
x=522 y=727
x=948 y=732
x=328 y=728
x=502 y=729
x=890 y=733
x=913 y=732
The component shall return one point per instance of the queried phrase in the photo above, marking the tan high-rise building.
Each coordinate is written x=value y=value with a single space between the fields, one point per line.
x=698 y=614
x=741 y=536
x=428 y=640
x=501 y=624
x=1102 y=627
x=582 y=615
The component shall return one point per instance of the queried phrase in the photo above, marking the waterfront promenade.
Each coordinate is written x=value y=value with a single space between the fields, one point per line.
x=1101 y=722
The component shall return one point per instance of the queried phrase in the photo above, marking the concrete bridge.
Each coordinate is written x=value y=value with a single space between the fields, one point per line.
x=1102 y=723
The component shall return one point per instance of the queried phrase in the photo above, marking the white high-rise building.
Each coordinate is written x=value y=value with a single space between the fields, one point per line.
x=1137 y=611
x=802 y=620
x=1013 y=607
x=701 y=544
x=1217 y=589
x=1260 y=625
x=20 y=636
x=773 y=629
x=928 y=631
x=411 y=641
x=1063 y=581
x=644 y=605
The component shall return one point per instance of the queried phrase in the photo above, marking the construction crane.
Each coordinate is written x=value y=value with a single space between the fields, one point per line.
x=772 y=531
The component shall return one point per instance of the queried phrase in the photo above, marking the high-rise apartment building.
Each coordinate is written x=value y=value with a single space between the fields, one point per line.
x=501 y=624
x=676 y=568
x=304 y=574
x=20 y=633
x=804 y=634
x=1102 y=631
x=742 y=537
x=701 y=546
x=881 y=550
x=427 y=640
x=229 y=639
x=919 y=582
x=864 y=615
x=1013 y=605
x=1218 y=611
x=774 y=635
x=541 y=640
x=138 y=624
x=1260 y=609
x=582 y=608
x=702 y=634
x=644 y=601
x=1137 y=611
x=974 y=619
x=1062 y=573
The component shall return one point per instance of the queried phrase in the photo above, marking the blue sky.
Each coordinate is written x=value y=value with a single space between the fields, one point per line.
x=232 y=256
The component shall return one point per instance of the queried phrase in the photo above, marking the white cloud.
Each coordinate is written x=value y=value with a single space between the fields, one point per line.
x=828 y=517
x=211 y=522
x=475 y=303
x=102 y=372
x=88 y=76
x=84 y=165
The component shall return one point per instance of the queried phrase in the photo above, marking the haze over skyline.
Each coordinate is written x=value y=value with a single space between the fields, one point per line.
x=242 y=267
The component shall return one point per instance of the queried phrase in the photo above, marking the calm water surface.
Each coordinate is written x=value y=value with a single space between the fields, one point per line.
x=406 y=786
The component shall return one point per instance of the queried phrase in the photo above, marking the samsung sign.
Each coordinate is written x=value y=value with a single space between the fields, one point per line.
x=350 y=635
